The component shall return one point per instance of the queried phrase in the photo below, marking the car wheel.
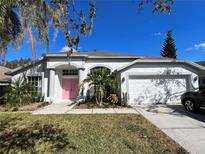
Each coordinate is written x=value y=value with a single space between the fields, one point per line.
x=189 y=105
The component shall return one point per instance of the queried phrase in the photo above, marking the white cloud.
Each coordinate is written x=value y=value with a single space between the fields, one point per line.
x=200 y=46
x=157 y=34
x=189 y=49
x=66 y=48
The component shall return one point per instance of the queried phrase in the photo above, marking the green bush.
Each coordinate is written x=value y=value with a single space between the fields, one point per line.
x=18 y=93
x=99 y=80
x=37 y=97
x=13 y=109
x=113 y=98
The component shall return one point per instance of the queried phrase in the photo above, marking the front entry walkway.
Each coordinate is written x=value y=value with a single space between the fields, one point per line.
x=55 y=108
x=66 y=108
x=187 y=129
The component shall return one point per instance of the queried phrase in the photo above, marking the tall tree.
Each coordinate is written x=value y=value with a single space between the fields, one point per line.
x=36 y=17
x=16 y=63
x=157 y=5
x=169 y=48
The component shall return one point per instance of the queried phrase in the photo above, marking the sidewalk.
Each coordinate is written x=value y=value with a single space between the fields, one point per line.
x=66 y=109
x=103 y=111
x=55 y=108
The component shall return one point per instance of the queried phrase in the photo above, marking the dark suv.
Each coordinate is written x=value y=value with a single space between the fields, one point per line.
x=193 y=100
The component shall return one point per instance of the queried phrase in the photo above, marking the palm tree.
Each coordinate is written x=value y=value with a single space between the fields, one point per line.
x=18 y=93
x=100 y=80
x=18 y=18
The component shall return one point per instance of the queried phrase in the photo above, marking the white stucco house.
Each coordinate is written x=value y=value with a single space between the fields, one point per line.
x=145 y=79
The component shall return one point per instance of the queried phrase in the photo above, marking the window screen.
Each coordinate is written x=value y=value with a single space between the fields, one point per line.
x=70 y=72
x=35 y=81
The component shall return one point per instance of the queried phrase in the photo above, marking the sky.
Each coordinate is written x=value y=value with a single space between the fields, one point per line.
x=119 y=27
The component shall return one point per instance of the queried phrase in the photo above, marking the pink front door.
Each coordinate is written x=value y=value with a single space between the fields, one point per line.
x=69 y=88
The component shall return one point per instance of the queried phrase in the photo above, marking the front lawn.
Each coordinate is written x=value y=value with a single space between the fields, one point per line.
x=22 y=108
x=82 y=134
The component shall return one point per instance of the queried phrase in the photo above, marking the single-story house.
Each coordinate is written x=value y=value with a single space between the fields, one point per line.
x=5 y=80
x=145 y=79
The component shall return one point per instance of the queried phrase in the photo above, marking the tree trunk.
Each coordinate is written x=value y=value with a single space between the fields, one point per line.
x=96 y=100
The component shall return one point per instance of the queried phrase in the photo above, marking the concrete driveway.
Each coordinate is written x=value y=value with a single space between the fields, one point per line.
x=187 y=129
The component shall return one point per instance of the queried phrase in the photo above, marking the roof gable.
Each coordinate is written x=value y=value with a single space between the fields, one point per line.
x=185 y=62
x=3 y=76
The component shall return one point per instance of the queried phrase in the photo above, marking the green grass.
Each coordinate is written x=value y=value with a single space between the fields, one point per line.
x=82 y=134
x=26 y=107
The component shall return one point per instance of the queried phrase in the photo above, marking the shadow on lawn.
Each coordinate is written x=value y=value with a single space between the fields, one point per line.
x=28 y=138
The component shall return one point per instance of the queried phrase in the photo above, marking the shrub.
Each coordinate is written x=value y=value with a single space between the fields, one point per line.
x=13 y=109
x=18 y=93
x=113 y=98
x=43 y=104
x=99 y=80
x=37 y=97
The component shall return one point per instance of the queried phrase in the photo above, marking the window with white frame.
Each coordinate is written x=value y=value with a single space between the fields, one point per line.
x=36 y=82
x=99 y=69
x=70 y=72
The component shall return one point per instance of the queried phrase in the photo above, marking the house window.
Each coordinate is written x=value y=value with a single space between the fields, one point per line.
x=36 y=83
x=99 y=69
x=70 y=72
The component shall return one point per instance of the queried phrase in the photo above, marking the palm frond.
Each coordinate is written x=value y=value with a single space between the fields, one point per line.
x=32 y=42
x=36 y=17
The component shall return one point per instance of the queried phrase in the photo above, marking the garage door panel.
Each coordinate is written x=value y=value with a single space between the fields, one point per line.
x=146 y=90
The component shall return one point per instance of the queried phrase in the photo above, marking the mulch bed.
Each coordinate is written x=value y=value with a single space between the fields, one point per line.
x=93 y=105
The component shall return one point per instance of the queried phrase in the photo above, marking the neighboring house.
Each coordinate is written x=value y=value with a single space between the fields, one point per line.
x=202 y=77
x=4 y=80
x=145 y=79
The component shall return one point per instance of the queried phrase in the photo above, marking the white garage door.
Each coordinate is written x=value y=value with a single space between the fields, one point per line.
x=165 y=89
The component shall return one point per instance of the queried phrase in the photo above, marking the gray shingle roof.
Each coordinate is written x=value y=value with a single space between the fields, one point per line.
x=93 y=54
x=3 y=76
x=103 y=54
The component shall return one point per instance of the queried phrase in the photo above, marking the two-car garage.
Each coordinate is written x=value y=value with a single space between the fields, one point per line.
x=158 y=81
x=146 y=89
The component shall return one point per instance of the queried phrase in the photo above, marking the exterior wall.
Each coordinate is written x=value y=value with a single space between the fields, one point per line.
x=37 y=70
x=157 y=69
x=111 y=64
x=59 y=62
x=34 y=71
x=84 y=67
x=58 y=85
